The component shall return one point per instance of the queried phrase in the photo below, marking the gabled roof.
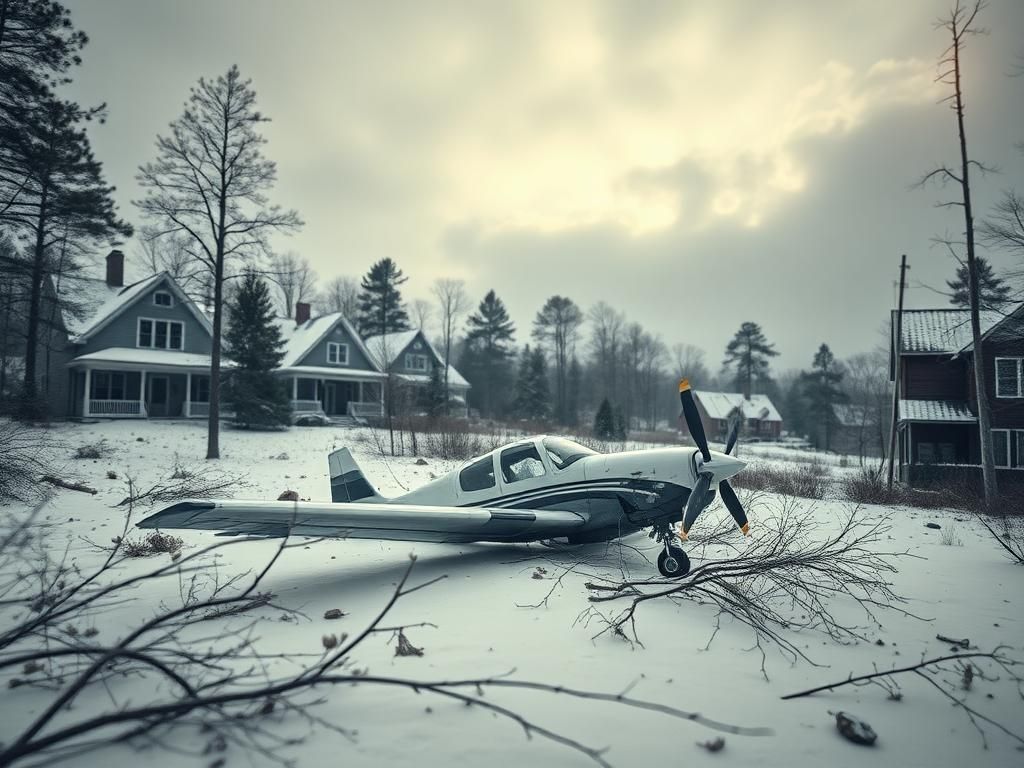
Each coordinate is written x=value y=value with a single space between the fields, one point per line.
x=391 y=345
x=300 y=339
x=720 y=405
x=936 y=410
x=93 y=307
x=943 y=331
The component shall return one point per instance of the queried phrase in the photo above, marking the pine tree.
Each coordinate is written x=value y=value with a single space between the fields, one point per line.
x=557 y=324
x=257 y=397
x=532 y=394
x=823 y=393
x=380 y=301
x=749 y=352
x=488 y=352
x=993 y=292
x=604 y=422
x=434 y=394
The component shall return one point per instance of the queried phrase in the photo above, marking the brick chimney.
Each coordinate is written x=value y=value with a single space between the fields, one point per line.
x=115 y=269
x=301 y=312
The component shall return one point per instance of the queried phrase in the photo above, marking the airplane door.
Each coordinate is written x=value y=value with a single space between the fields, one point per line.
x=521 y=468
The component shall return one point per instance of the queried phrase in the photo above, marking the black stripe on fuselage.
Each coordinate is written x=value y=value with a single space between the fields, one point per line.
x=510 y=499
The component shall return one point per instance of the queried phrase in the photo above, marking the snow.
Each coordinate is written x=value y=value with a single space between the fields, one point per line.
x=483 y=628
x=391 y=345
x=81 y=297
x=299 y=339
x=132 y=356
x=936 y=410
x=942 y=331
x=719 y=405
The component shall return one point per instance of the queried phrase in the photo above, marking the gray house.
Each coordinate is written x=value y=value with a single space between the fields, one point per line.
x=328 y=368
x=135 y=351
x=412 y=359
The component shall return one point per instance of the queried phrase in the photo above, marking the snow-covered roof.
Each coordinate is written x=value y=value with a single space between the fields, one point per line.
x=300 y=339
x=148 y=357
x=936 y=410
x=315 y=371
x=391 y=345
x=942 y=331
x=720 y=405
x=455 y=379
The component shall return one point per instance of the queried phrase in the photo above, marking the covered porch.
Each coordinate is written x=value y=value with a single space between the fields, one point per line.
x=356 y=394
x=934 y=439
x=109 y=384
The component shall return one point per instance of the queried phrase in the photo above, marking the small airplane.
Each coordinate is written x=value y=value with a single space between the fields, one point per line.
x=534 y=489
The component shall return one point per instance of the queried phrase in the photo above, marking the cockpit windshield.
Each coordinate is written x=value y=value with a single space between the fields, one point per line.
x=564 y=452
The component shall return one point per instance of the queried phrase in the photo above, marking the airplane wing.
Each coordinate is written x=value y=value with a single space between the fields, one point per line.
x=395 y=522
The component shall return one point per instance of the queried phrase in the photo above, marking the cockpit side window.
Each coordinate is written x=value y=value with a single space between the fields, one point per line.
x=564 y=452
x=478 y=476
x=520 y=463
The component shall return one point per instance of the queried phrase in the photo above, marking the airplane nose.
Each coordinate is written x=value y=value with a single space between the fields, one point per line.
x=723 y=466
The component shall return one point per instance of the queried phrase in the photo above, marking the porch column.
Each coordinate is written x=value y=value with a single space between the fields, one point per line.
x=295 y=387
x=142 y=393
x=188 y=394
x=85 y=394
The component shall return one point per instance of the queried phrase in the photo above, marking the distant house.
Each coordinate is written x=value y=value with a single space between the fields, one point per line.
x=412 y=359
x=328 y=367
x=856 y=431
x=761 y=419
x=937 y=428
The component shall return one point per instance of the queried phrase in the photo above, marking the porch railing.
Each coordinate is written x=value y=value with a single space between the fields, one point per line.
x=369 y=410
x=198 y=410
x=307 y=406
x=116 y=408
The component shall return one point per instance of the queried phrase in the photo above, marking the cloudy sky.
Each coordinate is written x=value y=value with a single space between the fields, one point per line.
x=694 y=164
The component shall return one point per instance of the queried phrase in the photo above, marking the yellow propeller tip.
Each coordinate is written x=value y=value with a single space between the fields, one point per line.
x=746 y=529
x=684 y=384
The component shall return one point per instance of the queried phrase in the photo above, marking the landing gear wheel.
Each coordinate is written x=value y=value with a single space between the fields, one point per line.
x=673 y=563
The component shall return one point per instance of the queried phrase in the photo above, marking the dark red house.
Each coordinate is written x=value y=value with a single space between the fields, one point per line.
x=937 y=426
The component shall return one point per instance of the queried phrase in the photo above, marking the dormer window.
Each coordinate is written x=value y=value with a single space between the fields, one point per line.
x=337 y=353
x=415 y=362
x=1009 y=377
x=163 y=299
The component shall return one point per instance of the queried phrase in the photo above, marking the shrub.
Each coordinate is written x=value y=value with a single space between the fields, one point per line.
x=23 y=458
x=810 y=481
x=154 y=543
x=93 y=450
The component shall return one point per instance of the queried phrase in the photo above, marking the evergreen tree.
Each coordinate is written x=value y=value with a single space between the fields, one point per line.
x=605 y=427
x=533 y=397
x=993 y=292
x=823 y=393
x=380 y=300
x=557 y=324
x=253 y=339
x=748 y=354
x=488 y=352
x=435 y=394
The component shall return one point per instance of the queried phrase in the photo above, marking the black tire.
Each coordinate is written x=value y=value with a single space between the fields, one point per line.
x=674 y=563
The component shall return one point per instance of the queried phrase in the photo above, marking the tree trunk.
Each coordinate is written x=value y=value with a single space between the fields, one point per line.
x=988 y=470
x=29 y=390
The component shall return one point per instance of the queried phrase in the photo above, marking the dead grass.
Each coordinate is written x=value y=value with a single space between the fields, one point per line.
x=154 y=543
x=809 y=481
x=97 y=450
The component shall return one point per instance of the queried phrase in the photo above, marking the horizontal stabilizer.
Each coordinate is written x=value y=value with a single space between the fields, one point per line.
x=374 y=520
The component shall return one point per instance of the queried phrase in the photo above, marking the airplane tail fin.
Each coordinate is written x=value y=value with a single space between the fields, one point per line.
x=347 y=480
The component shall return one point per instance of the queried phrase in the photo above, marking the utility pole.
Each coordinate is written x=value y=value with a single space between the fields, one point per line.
x=897 y=347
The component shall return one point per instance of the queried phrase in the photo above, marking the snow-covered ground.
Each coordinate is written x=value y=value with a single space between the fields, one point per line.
x=965 y=590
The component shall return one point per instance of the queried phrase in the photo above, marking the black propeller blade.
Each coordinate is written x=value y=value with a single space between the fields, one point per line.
x=733 y=505
x=695 y=504
x=693 y=422
x=733 y=434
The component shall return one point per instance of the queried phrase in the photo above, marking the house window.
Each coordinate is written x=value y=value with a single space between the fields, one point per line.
x=107 y=385
x=200 y=389
x=1001 y=447
x=415 y=362
x=337 y=353
x=161 y=334
x=1009 y=374
x=163 y=299
x=936 y=453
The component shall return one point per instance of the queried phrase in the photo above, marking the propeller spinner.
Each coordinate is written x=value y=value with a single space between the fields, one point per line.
x=699 y=496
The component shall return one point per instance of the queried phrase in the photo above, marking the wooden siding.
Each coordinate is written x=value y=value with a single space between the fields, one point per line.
x=933 y=377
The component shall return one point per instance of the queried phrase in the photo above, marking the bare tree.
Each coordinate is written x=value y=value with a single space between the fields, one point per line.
x=689 y=364
x=341 y=295
x=558 y=324
x=960 y=25
x=452 y=304
x=422 y=314
x=174 y=255
x=1004 y=229
x=295 y=281
x=209 y=183
x=606 y=331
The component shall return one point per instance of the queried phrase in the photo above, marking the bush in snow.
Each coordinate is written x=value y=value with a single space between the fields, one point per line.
x=23 y=454
x=809 y=481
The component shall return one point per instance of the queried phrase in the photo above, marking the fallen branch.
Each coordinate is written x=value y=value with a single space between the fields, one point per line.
x=52 y=480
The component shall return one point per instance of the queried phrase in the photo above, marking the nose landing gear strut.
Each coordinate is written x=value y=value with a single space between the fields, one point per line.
x=673 y=562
